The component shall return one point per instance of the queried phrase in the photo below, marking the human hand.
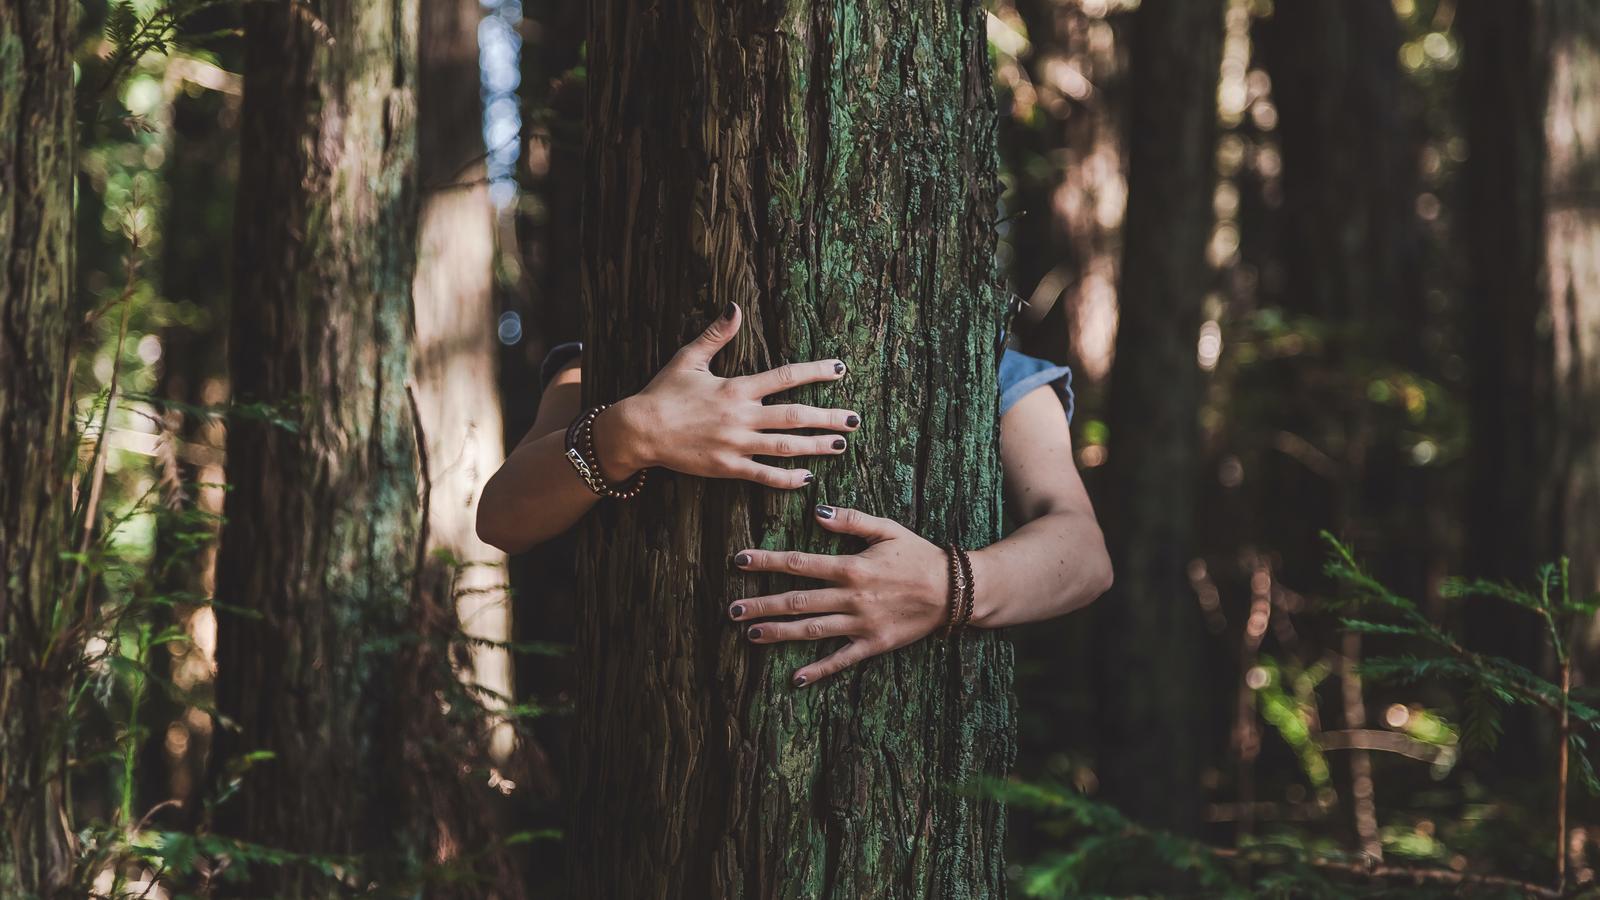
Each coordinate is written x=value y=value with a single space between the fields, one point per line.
x=692 y=421
x=891 y=594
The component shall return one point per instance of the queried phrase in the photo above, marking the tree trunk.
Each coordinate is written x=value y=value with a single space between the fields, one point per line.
x=831 y=168
x=195 y=278
x=1150 y=686
x=1350 y=246
x=1572 y=288
x=39 y=627
x=458 y=398
x=323 y=530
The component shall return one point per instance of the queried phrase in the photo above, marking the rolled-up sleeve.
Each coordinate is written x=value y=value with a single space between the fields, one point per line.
x=1021 y=373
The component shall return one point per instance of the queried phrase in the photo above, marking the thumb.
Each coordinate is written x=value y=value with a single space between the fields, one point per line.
x=856 y=522
x=698 y=352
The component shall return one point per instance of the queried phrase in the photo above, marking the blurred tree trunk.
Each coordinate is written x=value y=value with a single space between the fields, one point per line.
x=1350 y=245
x=831 y=170
x=1150 y=688
x=340 y=670
x=195 y=280
x=544 y=579
x=1349 y=162
x=1510 y=481
x=1532 y=234
x=39 y=627
x=1572 y=286
x=457 y=396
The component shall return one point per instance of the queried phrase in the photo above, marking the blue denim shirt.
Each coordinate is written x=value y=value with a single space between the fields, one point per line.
x=1019 y=374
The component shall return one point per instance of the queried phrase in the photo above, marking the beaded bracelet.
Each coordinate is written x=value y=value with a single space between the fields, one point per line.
x=971 y=584
x=962 y=590
x=580 y=452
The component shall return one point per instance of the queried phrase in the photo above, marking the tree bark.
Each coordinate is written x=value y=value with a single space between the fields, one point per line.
x=1572 y=289
x=1150 y=630
x=458 y=398
x=831 y=168
x=324 y=532
x=40 y=628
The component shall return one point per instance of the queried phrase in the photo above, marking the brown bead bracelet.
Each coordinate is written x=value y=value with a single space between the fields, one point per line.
x=580 y=452
x=962 y=590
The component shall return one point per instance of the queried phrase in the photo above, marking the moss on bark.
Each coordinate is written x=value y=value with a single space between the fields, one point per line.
x=831 y=168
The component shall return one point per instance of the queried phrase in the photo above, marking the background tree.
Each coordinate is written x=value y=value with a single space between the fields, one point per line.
x=831 y=170
x=457 y=394
x=41 y=623
x=337 y=671
x=1149 y=630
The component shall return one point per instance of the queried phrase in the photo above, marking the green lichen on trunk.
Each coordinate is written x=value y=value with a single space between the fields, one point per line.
x=830 y=167
x=39 y=639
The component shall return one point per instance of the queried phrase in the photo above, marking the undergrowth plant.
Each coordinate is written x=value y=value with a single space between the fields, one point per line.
x=1107 y=854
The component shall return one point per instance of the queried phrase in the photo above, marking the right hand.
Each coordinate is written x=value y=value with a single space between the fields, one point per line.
x=692 y=421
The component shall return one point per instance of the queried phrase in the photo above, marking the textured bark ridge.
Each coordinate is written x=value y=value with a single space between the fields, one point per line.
x=36 y=170
x=830 y=167
x=323 y=522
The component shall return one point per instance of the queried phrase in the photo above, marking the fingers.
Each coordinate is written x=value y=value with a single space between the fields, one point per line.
x=841 y=659
x=798 y=415
x=814 y=628
x=698 y=352
x=771 y=476
x=795 y=445
x=809 y=565
x=792 y=375
x=792 y=603
x=856 y=522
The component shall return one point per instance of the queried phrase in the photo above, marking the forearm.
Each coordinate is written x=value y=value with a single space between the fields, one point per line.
x=1048 y=567
x=537 y=494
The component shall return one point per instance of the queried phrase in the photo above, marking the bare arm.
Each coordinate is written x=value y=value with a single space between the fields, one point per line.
x=1056 y=561
x=536 y=495
x=895 y=591
x=686 y=419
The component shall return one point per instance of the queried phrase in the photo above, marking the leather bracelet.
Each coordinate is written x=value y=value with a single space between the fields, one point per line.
x=971 y=594
x=581 y=453
x=958 y=590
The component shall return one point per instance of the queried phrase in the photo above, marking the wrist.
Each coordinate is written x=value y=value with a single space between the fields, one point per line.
x=620 y=440
x=984 y=605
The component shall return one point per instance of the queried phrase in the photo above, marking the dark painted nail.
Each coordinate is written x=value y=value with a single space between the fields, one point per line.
x=852 y=421
x=742 y=559
x=838 y=368
x=727 y=311
x=810 y=478
x=824 y=511
x=799 y=681
x=737 y=611
x=755 y=632
x=838 y=443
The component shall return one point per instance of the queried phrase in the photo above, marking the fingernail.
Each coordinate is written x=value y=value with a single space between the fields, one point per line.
x=824 y=511
x=838 y=443
x=852 y=421
x=755 y=632
x=742 y=559
x=810 y=478
x=737 y=610
x=727 y=311
x=838 y=368
x=799 y=681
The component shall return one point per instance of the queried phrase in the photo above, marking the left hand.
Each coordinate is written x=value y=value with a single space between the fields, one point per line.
x=889 y=595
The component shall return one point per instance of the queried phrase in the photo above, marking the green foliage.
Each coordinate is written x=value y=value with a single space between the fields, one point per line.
x=1109 y=855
